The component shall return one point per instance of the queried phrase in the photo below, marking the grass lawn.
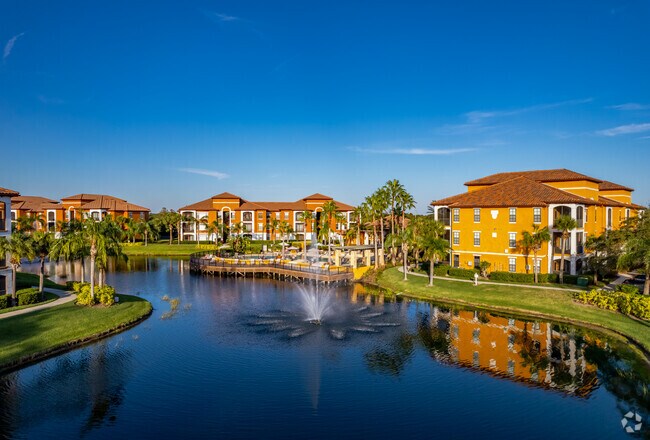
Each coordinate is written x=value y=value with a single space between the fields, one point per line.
x=44 y=330
x=185 y=249
x=552 y=304
x=49 y=297
x=26 y=280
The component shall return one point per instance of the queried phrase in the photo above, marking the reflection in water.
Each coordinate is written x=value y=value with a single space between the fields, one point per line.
x=90 y=383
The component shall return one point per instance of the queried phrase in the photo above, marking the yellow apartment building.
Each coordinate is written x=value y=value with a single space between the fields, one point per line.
x=486 y=222
x=256 y=217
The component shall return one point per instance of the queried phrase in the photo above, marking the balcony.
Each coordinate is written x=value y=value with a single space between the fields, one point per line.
x=444 y=216
x=188 y=228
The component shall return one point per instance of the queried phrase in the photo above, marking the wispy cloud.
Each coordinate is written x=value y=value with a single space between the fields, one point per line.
x=414 y=151
x=630 y=106
x=225 y=17
x=216 y=174
x=10 y=45
x=48 y=100
x=625 y=129
x=219 y=17
x=478 y=116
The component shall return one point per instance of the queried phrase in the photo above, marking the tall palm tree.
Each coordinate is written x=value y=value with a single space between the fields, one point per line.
x=93 y=234
x=374 y=207
x=18 y=246
x=535 y=241
x=359 y=215
x=636 y=251
x=565 y=224
x=434 y=249
x=328 y=216
x=306 y=216
x=393 y=191
x=273 y=226
x=41 y=243
x=109 y=246
x=72 y=245
x=406 y=202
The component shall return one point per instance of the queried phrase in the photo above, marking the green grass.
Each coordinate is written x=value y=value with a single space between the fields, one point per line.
x=552 y=304
x=44 y=330
x=25 y=280
x=49 y=297
x=185 y=249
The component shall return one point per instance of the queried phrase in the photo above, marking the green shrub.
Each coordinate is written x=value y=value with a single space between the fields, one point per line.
x=461 y=273
x=573 y=279
x=78 y=286
x=4 y=301
x=512 y=277
x=28 y=296
x=441 y=270
x=619 y=300
x=105 y=295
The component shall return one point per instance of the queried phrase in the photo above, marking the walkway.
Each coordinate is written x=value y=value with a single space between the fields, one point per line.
x=64 y=297
x=528 y=286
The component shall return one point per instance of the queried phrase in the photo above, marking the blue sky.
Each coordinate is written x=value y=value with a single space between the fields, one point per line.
x=167 y=103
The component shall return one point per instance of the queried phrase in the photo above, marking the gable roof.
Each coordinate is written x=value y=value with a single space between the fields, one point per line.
x=520 y=191
x=226 y=195
x=556 y=175
x=606 y=185
x=34 y=203
x=8 y=192
x=89 y=197
x=203 y=205
x=317 y=196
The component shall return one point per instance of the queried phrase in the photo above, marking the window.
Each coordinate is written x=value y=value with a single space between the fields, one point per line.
x=475 y=359
x=3 y=218
x=537 y=215
x=456 y=215
x=477 y=238
x=579 y=242
x=248 y=216
x=512 y=239
x=286 y=215
x=95 y=215
x=260 y=227
x=456 y=237
x=300 y=227
x=512 y=264
x=456 y=260
x=51 y=220
x=580 y=216
x=627 y=213
x=277 y=215
x=260 y=215
x=609 y=218
x=477 y=260
x=248 y=227
x=477 y=215
x=476 y=336
x=512 y=217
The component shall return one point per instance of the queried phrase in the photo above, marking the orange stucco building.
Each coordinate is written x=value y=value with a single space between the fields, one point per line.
x=98 y=206
x=255 y=217
x=486 y=222
x=47 y=213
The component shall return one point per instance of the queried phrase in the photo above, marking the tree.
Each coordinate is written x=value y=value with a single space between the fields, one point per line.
x=109 y=246
x=18 y=246
x=328 y=216
x=393 y=192
x=71 y=245
x=636 y=250
x=102 y=238
x=534 y=241
x=273 y=226
x=147 y=228
x=41 y=243
x=406 y=202
x=306 y=216
x=565 y=224
x=433 y=246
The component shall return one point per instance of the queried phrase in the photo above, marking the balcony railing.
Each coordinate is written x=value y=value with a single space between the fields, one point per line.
x=558 y=250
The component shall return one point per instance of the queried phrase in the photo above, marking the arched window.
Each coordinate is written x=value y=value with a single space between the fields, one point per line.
x=580 y=216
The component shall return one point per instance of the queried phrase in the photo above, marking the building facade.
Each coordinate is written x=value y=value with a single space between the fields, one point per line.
x=97 y=206
x=256 y=218
x=486 y=222
x=47 y=214
x=6 y=280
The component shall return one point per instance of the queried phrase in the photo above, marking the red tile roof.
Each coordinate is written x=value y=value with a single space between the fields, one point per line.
x=520 y=191
x=203 y=205
x=34 y=203
x=557 y=175
x=317 y=196
x=606 y=185
x=8 y=192
x=89 y=197
x=226 y=195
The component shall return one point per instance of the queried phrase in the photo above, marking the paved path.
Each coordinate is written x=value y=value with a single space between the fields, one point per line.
x=618 y=281
x=529 y=286
x=64 y=297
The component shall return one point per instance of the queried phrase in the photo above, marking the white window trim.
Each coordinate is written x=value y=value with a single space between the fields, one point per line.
x=511 y=222
x=474 y=238
x=515 y=246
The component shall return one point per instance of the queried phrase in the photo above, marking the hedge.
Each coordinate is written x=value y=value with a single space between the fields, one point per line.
x=28 y=296
x=461 y=273
x=441 y=270
x=4 y=301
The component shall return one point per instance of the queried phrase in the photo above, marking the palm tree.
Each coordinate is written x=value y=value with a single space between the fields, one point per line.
x=359 y=214
x=406 y=202
x=109 y=246
x=373 y=205
x=93 y=234
x=526 y=245
x=537 y=238
x=328 y=215
x=18 y=246
x=41 y=243
x=636 y=251
x=273 y=226
x=434 y=249
x=565 y=224
x=71 y=245
x=306 y=216
x=393 y=191
x=599 y=260
x=147 y=228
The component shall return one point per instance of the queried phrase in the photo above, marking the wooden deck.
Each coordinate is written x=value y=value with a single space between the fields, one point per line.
x=270 y=269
